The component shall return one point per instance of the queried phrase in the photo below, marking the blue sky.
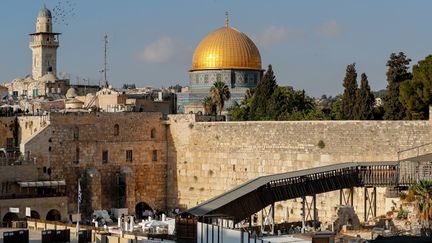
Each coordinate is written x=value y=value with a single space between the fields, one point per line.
x=309 y=43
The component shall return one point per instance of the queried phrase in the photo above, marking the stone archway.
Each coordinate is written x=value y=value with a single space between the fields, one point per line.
x=34 y=214
x=8 y=218
x=143 y=210
x=53 y=215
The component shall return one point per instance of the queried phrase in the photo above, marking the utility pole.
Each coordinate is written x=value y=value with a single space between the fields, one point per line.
x=105 y=60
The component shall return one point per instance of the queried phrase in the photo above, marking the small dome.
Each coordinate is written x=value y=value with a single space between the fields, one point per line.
x=44 y=12
x=71 y=93
x=49 y=77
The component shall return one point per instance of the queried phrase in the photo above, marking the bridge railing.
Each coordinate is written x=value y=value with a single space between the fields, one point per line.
x=415 y=151
x=379 y=174
x=408 y=173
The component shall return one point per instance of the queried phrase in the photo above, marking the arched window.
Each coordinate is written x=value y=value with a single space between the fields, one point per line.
x=77 y=155
x=153 y=133
x=76 y=133
x=116 y=130
x=154 y=155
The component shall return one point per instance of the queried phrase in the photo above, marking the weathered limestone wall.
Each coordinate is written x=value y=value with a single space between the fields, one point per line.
x=41 y=205
x=31 y=125
x=207 y=159
x=72 y=146
x=7 y=130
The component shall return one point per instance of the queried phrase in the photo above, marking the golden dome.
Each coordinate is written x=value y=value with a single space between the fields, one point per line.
x=226 y=48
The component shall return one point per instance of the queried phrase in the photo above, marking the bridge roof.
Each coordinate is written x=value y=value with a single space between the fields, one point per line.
x=258 y=193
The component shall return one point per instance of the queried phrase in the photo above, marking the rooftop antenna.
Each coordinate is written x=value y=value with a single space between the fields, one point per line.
x=105 y=60
x=226 y=19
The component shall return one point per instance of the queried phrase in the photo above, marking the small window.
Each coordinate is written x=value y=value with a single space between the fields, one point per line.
x=154 y=155
x=129 y=155
x=35 y=92
x=104 y=156
x=76 y=133
x=153 y=133
x=77 y=155
x=116 y=130
x=9 y=143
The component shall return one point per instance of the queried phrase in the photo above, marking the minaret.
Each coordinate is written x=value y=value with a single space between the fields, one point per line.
x=44 y=44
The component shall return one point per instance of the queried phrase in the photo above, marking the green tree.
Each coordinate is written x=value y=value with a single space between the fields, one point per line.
x=260 y=103
x=219 y=94
x=416 y=94
x=423 y=198
x=336 y=110
x=289 y=104
x=241 y=111
x=365 y=100
x=208 y=105
x=349 y=94
x=398 y=71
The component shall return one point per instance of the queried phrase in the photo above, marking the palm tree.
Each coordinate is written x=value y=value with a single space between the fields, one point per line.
x=208 y=105
x=423 y=196
x=219 y=94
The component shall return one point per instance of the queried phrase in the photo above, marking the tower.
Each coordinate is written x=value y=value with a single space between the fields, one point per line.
x=44 y=44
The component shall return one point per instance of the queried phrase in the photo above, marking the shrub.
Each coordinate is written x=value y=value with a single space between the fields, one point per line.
x=321 y=144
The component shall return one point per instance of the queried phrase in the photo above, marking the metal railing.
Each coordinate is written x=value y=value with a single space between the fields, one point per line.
x=415 y=151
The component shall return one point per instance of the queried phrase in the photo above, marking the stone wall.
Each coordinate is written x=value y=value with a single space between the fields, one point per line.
x=72 y=146
x=30 y=125
x=40 y=205
x=207 y=159
x=7 y=130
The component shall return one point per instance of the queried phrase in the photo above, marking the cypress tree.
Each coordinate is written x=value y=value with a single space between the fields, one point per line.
x=349 y=95
x=365 y=100
x=416 y=93
x=260 y=104
x=397 y=73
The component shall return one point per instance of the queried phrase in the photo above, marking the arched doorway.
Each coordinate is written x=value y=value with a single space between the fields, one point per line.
x=34 y=215
x=143 y=211
x=53 y=215
x=8 y=218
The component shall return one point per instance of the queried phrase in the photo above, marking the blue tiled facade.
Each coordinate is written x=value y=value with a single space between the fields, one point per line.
x=202 y=80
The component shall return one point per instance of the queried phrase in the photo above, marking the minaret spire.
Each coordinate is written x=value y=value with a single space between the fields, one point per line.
x=226 y=19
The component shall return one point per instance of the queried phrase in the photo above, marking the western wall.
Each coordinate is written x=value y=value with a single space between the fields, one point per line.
x=199 y=160
x=206 y=159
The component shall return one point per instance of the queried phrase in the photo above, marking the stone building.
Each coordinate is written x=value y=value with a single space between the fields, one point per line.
x=23 y=184
x=109 y=99
x=4 y=94
x=227 y=55
x=120 y=158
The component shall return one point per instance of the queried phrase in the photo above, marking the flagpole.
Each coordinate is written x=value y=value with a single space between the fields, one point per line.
x=78 y=210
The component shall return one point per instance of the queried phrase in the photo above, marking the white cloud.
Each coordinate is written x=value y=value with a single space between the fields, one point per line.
x=162 y=50
x=330 y=29
x=277 y=34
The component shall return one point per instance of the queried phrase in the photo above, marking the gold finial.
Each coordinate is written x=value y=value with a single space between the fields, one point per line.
x=226 y=19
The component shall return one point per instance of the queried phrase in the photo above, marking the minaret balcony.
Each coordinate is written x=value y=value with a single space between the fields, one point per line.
x=36 y=43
